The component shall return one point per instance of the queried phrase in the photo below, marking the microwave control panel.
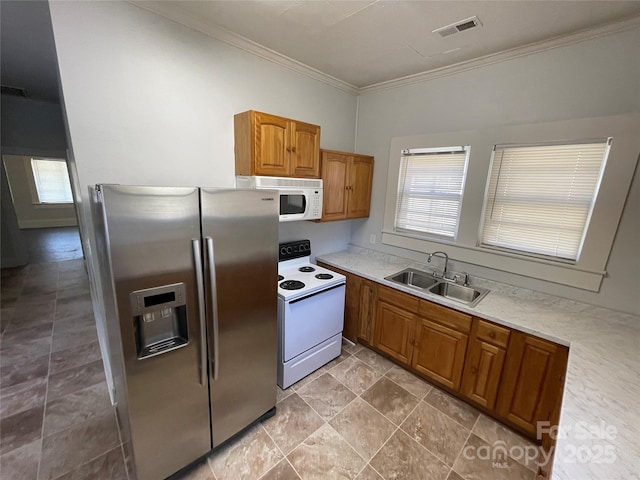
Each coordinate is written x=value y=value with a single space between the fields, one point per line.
x=316 y=204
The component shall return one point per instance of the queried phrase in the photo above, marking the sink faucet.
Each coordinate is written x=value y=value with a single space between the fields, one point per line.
x=446 y=261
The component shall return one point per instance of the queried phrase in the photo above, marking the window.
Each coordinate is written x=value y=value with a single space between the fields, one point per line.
x=540 y=197
x=51 y=178
x=430 y=185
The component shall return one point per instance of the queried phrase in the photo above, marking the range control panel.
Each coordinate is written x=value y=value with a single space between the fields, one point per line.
x=290 y=250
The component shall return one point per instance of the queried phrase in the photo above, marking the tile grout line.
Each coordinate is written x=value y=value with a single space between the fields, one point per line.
x=46 y=392
x=284 y=457
x=399 y=427
x=463 y=446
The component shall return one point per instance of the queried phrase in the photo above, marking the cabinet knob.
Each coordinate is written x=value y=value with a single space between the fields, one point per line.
x=293 y=149
x=288 y=149
x=492 y=335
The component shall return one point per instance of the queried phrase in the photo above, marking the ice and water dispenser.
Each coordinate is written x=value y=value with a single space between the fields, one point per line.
x=159 y=319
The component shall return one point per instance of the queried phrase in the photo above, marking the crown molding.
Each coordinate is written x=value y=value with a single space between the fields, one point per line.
x=243 y=43
x=254 y=48
x=530 y=49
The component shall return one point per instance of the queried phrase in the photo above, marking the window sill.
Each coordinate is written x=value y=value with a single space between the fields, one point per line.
x=563 y=274
x=52 y=205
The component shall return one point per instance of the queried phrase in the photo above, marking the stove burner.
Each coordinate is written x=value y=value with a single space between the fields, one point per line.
x=291 y=285
x=280 y=277
x=306 y=269
x=324 y=276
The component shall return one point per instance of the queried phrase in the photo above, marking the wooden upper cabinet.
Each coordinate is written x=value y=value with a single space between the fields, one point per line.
x=532 y=383
x=275 y=146
x=305 y=149
x=347 y=179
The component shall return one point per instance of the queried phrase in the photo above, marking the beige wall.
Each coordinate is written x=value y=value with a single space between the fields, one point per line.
x=30 y=214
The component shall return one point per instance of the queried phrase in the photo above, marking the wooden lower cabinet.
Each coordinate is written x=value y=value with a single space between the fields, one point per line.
x=358 y=306
x=393 y=333
x=439 y=352
x=532 y=382
x=515 y=377
x=485 y=361
x=366 y=311
x=352 y=307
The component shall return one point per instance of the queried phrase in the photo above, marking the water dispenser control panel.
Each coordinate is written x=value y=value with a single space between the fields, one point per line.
x=160 y=319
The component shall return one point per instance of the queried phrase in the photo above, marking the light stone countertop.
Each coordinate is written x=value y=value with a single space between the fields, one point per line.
x=599 y=418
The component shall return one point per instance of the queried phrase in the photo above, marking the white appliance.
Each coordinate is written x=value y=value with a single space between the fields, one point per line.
x=310 y=313
x=300 y=198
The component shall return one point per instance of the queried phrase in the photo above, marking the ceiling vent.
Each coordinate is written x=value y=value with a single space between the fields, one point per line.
x=458 y=27
x=14 y=91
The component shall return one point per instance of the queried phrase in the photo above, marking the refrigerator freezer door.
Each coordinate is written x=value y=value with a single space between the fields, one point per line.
x=241 y=228
x=150 y=233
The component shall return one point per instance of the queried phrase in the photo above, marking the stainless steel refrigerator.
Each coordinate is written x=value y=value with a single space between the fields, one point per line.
x=190 y=295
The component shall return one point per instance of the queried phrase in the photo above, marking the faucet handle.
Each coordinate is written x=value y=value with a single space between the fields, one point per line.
x=464 y=276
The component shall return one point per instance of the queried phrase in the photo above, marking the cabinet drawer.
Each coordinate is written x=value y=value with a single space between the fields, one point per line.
x=398 y=298
x=490 y=333
x=445 y=316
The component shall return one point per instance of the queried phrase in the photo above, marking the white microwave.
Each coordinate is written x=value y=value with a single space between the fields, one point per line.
x=300 y=198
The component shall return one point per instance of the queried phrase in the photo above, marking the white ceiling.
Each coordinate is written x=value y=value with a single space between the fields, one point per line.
x=366 y=42
x=358 y=43
x=27 y=51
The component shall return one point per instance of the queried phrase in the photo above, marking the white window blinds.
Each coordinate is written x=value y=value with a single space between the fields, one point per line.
x=52 y=180
x=430 y=185
x=540 y=197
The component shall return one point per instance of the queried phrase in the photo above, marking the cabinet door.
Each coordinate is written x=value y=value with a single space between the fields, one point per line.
x=439 y=352
x=305 y=150
x=359 y=186
x=533 y=379
x=367 y=309
x=482 y=372
x=334 y=175
x=393 y=333
x=352 y=307
x=272 y=145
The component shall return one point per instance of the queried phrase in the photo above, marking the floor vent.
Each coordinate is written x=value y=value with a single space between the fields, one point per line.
x=458 y=27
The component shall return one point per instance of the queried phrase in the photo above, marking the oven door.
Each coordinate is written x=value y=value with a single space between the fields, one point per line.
x=310 y=320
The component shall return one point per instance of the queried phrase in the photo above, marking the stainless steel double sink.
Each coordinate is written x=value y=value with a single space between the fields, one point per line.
x=424 y=281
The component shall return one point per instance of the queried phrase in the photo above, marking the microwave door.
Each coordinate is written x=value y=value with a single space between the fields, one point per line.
x=293 y=205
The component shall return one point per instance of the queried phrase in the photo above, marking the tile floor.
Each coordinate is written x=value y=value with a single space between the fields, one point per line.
x=52 y=244
x=359 y=417
x=56 y=420
x=362 y=417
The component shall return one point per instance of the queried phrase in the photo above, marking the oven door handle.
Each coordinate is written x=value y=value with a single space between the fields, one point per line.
x=197 y=258
x=214 y=305
x=316 y=293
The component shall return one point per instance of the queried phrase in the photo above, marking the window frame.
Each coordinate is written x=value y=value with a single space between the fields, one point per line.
x=33 y=184
x=428 y=151
x=526 y=253
x=587 y=273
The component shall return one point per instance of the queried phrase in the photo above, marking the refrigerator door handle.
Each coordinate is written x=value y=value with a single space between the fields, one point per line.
x=214 y=305
x=197 y=257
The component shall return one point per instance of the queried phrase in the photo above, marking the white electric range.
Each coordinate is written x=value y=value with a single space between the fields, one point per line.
x=310 y=313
